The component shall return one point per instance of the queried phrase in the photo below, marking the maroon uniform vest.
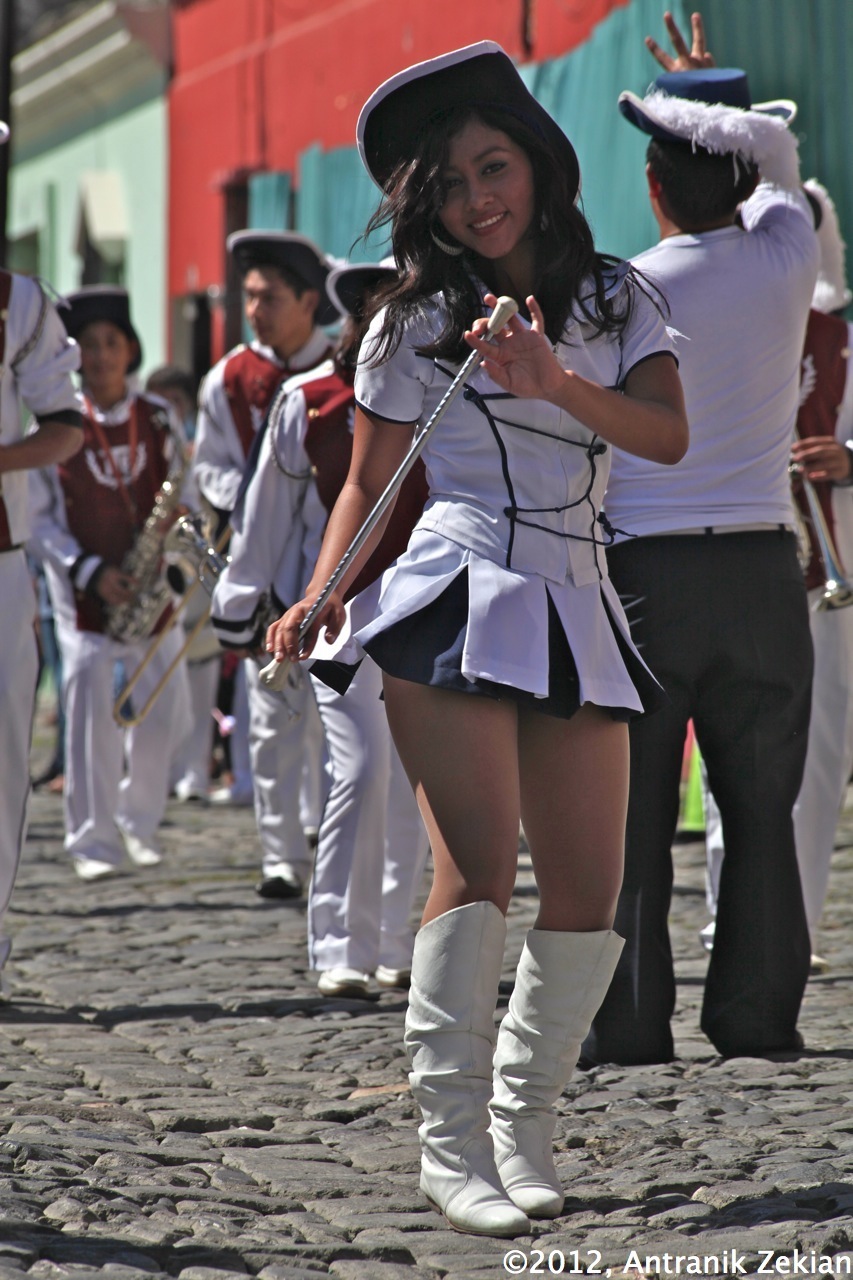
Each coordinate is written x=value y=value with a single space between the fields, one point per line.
x=5 y=294
x=251 y=381
x=98 y=513
x=330 y=402
x=824 y=364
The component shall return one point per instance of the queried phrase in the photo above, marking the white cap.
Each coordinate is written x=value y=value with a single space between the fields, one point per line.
x=830 y=292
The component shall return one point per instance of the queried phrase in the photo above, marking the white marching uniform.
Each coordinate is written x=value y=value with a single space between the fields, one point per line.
x=371 y=838
x=114 y=782
x=283 y=752
x=37 y=362
x=529 y=531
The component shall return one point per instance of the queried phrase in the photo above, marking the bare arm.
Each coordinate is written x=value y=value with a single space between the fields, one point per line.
x=50 y=442
x=378 y=449
x=649 y=420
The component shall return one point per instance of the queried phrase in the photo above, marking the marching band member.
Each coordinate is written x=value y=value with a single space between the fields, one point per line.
x=710 y=578
x=824 y=449
x=508 y=670
x=37 y=360
x=371 y=844
x=284 y=277
x=89 y=514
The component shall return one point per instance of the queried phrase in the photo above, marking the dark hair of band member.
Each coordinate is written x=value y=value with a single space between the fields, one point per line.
x=170 y=377
x=291 y=278
x=566 y=259
x=700 y=188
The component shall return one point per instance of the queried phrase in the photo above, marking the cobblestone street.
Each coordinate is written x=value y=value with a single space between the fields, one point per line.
x=178 y=1100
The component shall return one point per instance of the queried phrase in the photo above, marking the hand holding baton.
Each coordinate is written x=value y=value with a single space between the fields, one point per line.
x=274 y=675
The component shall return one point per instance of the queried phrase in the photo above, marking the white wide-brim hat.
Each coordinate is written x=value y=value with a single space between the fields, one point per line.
x=478 y=75
x=349 y=282
x=712 y=108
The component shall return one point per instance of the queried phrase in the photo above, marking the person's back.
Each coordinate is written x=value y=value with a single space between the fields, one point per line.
x=739 y=300
x=710 y=579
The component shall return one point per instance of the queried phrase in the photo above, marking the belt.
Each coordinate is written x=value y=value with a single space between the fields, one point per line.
x=710 y=530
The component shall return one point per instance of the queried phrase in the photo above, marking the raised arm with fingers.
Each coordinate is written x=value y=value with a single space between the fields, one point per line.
x=685 y=59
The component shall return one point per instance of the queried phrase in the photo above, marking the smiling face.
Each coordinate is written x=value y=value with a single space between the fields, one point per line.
x=489 y=196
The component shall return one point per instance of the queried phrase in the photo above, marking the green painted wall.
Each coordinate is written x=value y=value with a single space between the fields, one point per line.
x=45 y=198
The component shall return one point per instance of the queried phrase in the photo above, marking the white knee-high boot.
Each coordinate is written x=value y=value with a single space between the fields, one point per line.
x=450 y=1036
x=561 y=981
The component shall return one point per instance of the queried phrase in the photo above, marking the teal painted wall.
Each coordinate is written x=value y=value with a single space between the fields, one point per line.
x=334 y=197
x=45 y=197
x=791 y=48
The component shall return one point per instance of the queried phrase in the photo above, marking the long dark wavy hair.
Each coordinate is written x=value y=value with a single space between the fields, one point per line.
x=568 y=270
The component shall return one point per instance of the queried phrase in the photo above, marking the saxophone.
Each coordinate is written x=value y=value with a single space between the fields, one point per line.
x=137 y=618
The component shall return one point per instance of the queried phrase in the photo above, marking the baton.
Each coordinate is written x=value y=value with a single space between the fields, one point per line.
x=274 y=675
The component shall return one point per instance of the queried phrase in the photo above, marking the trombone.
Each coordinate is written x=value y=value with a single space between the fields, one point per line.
x=187 y=538
x=837 y=591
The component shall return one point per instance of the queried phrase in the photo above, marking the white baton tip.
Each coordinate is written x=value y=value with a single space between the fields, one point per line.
x=505 y=309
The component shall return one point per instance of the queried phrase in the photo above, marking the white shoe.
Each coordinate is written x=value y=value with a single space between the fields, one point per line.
x=706 y=935
x=227 y=795
x=140 y=853
x=394 y=979
x=340 y=981
x=818 y=964
x=92 y=868
x=187 y=791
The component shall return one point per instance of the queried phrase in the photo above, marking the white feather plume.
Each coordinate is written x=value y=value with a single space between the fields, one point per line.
x=831 y=292
x=765 y=140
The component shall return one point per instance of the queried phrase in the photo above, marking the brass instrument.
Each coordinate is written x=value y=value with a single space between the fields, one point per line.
x=837 y=591
x=198 y=561
x=136 y=619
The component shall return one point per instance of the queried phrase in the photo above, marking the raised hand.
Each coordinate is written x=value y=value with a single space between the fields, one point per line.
x=685 y=59
x=519 y=359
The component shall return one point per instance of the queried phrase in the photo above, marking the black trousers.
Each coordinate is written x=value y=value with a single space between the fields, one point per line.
x=722 y=620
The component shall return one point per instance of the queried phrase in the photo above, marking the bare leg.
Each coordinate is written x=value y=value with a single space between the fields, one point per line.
x=574 y=798
x=460 y=754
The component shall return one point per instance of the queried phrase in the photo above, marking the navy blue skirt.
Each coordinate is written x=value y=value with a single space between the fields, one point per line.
x=426 y=648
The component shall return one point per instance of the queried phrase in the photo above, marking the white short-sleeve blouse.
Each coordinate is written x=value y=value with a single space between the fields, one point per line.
x=515 y=492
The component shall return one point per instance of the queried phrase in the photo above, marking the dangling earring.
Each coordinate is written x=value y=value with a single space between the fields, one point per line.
x=453 y=250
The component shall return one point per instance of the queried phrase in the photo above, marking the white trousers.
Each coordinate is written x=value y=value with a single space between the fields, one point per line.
x=829 y=762
x=191 y=764
x=18 y=674
x=372 y=844
x=99 y=790
x=280 y=743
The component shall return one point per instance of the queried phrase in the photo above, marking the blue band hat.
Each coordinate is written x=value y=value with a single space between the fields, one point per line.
x=712 y=108
x=290 y=251
x=100 y=302
x=348 y=283
x=479 y=75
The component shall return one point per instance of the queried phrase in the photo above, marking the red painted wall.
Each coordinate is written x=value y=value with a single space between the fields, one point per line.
x=257 y=81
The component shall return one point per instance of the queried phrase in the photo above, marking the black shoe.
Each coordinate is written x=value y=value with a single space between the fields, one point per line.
x=53 y=770
x=279 y=888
